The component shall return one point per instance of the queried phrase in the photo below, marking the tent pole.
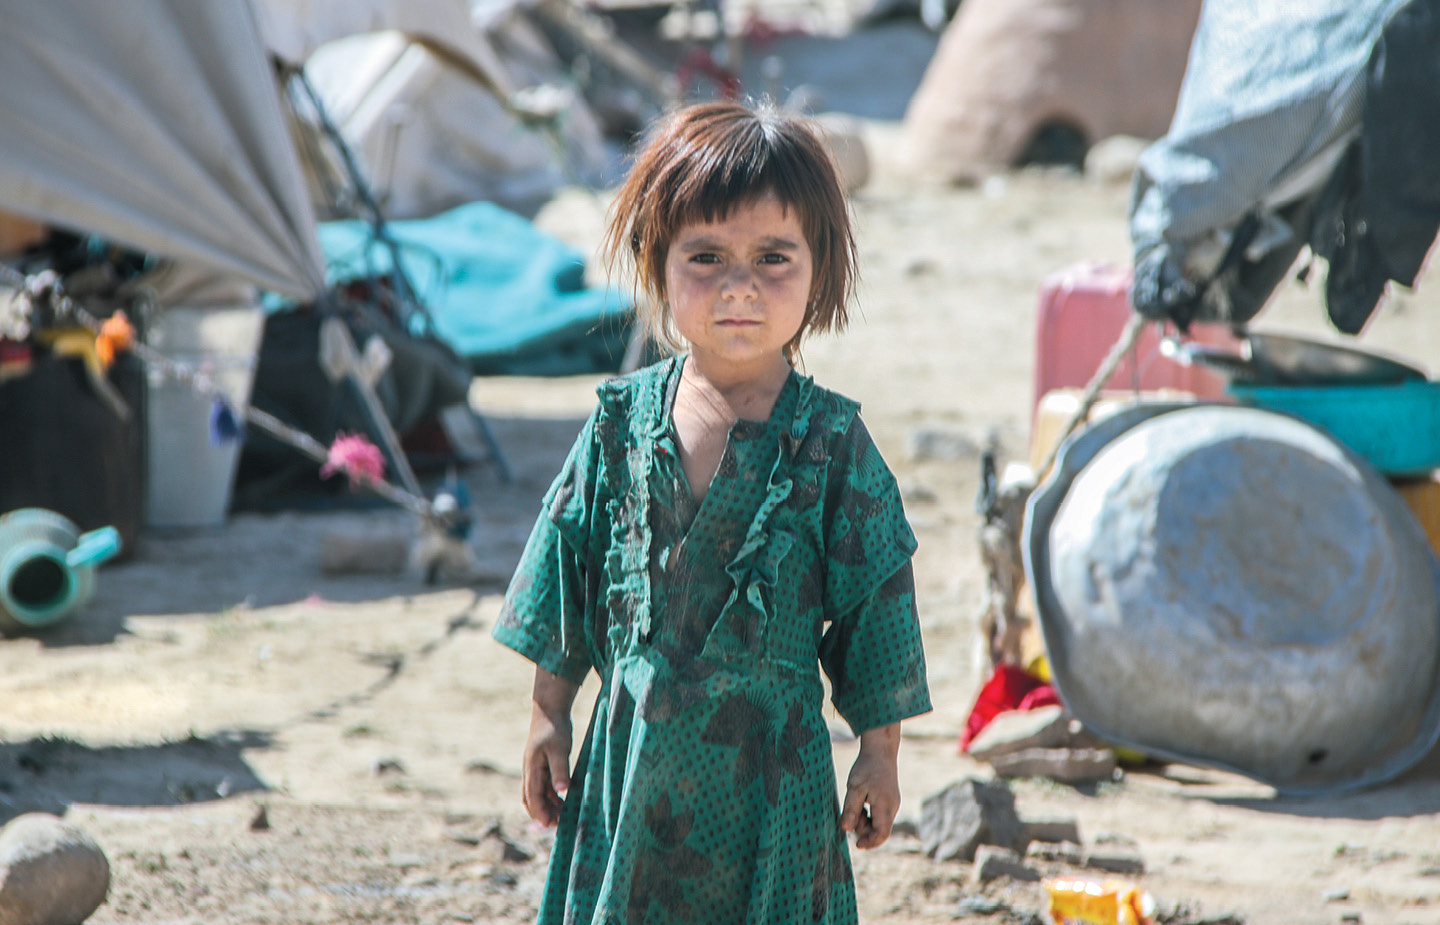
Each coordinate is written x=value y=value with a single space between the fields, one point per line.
x=404 y=290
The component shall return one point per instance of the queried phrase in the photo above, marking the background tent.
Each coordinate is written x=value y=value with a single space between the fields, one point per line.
x=293 y=30
x=156 y=124
x=440 y=102
x=159 y=127
x=435 y=99
x=430 y=137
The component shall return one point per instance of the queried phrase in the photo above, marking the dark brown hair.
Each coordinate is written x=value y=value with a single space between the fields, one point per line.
x=703 y=160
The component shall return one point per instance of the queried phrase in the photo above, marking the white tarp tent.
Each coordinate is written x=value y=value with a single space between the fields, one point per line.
x=159 y=124
x=430 y=136
x=156 y=124
x=293 y=30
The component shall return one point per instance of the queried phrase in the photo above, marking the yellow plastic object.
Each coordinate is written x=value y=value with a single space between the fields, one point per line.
x=1057 y=406
x=81 y=343
x=1422 y=496
x=1098 y=902
x=75 y=342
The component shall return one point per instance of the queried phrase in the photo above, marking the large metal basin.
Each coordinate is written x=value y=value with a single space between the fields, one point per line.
x=1228 y=586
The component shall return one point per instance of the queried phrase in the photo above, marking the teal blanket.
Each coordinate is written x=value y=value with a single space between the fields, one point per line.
x=505 y=296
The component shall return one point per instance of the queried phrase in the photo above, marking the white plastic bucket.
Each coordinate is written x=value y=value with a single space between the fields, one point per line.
x=189 y=477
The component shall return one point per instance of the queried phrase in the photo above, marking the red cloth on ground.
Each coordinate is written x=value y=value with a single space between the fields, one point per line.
x=1008 y=688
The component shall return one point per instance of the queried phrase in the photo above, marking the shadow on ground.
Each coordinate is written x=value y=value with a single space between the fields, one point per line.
x=1417 y=790
x=272 y=558
x=49 y=774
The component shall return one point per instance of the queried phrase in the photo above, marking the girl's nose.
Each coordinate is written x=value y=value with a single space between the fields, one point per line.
x=739 y=283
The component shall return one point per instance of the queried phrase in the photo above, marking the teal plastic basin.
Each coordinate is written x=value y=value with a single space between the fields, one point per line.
x=1396 y=428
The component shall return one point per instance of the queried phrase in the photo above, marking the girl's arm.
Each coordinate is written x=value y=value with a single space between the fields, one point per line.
x=545 y=768
x=872 y=792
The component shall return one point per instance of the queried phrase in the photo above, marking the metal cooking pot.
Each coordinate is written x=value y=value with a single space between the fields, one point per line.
x=1267 y=358
x=1229 y=586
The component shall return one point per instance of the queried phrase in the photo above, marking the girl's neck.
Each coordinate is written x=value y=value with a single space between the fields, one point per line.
x=738 y=395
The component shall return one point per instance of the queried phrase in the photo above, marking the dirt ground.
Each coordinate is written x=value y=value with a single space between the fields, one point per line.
x=251 y=740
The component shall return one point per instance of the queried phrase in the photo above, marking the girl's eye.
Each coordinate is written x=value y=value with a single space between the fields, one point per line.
x=704 y=258
x=774 y=258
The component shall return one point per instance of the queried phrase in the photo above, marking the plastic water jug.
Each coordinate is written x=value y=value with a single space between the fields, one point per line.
x=1083 y=309
x=47 y=567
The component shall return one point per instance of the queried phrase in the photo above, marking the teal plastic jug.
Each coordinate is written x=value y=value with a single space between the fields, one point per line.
x=47 y=567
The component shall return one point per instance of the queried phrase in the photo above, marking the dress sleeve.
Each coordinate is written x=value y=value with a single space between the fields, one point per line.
x=544 y=615
x=871 y=650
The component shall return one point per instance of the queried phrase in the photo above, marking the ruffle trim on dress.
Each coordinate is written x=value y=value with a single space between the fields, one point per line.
x=635 y=405
x=800 y=464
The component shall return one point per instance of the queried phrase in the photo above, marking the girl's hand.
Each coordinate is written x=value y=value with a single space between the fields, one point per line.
x=872 y=792
x=545 y=766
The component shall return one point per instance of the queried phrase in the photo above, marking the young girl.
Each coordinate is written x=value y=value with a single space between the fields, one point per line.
x=722 y=525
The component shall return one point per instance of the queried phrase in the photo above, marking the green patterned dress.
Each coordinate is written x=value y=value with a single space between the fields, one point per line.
x=705 y=787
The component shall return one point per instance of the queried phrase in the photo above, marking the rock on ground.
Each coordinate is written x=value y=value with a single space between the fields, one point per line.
x=967 y=814
x=51 y=872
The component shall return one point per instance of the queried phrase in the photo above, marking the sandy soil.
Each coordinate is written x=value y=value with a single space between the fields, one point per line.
x=251 y=740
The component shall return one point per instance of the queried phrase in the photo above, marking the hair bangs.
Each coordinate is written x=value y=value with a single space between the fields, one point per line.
x=723 y=172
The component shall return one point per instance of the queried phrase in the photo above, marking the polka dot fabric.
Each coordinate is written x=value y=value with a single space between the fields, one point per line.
x=705 y=788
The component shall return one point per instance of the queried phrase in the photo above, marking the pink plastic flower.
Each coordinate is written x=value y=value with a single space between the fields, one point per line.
x=360 y=460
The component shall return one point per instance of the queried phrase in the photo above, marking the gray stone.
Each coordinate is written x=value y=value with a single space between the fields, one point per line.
x=978 y=904
x=494 y=845
x=968 y=813
x=942 y=446
x=51 y=872
x=1068 y=765
x=1115 y=861
x=1064 y=852
x=905 y=827
x=992 y=863
x=1113 y=159
x=501 y=847
x=1043 y=727
x=1052 y=829
x=363 y=551
x=916 y=490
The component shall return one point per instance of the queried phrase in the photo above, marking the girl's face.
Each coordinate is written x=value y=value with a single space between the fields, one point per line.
x=738 y=288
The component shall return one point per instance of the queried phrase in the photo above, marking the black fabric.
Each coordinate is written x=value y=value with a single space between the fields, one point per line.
x=1356 y=278
x=1234 y=293
x=424 y=377
x=1402 y=129
x=65 y=450
x=1241 y=286
x=1378 y=217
